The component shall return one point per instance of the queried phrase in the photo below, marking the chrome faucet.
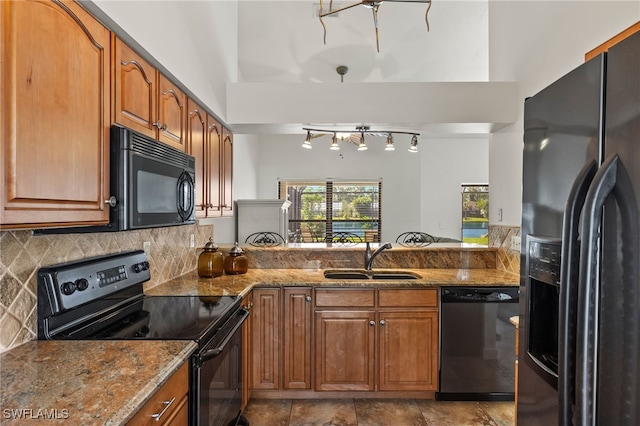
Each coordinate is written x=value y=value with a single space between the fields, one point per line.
x=368 y=256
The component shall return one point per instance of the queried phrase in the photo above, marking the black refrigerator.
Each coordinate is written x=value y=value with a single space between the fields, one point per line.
x=579 y=351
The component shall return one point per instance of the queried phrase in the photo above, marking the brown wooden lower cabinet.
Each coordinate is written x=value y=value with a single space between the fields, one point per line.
x=297 y=312
x=265 y=339
x=169 y=406
x=344 y=339
x=345 y=343
x=386 y=349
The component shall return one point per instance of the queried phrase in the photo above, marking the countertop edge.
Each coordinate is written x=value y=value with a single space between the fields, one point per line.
x=145 y=393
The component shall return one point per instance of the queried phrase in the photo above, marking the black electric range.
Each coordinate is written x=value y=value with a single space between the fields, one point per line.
x=102 y=298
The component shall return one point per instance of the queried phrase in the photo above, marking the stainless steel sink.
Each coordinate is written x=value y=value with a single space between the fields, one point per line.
x=394 y=275
x=346 y=274
x=361 y=274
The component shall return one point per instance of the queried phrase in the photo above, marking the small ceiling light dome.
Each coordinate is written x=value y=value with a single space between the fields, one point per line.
x=307 y=141
x=334 y=144
x=414 y=144
x=362 y=146
x=389 y=146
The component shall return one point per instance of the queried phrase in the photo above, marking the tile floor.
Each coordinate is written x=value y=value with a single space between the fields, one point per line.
x=377 y=412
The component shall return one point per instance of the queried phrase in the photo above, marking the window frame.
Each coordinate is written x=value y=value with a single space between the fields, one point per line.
x=296 y=234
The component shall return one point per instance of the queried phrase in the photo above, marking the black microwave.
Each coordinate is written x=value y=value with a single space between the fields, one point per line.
x=151 y=185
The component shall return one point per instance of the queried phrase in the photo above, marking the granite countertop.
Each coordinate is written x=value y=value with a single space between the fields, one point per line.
x=230 y=285
x=84 y=382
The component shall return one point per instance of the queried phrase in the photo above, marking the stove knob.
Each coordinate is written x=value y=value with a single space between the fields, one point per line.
x=82 y=284
x=68 y=288
x=142 y=331
x=142 y=266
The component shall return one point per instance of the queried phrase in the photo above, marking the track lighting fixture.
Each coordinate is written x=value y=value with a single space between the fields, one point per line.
x=357 y=137
x=414 y=144
x=307 y=141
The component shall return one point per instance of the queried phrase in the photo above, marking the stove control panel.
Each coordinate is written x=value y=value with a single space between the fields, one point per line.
x=72 y=284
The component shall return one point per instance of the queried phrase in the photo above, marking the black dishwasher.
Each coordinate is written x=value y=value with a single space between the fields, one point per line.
x=477 y=343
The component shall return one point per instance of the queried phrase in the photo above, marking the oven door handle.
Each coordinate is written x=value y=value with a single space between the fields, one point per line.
x=214 y=352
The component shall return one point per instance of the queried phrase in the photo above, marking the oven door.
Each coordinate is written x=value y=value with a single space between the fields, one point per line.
x=217 y=376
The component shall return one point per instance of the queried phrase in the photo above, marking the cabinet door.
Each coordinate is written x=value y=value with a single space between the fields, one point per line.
x=247 y=350
x=172 y=108
x=265 y=338
x=408 y=350
x=135 y=90
x=227 y=173
x=345 y=350
x=196 y=142
x=297 y=314
x=54 y=115
x=214 y=147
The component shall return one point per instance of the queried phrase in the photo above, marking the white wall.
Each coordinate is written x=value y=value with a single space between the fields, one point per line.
x=445 y=165
x=245 y=181
x=535 y=43
x=418 y=190
x=196 y=41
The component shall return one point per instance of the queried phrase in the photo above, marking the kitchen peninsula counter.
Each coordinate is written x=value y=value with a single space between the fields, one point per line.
x=84 y=382
x=231 y=285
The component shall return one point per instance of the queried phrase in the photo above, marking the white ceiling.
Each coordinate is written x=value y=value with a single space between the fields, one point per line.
x=282 y=41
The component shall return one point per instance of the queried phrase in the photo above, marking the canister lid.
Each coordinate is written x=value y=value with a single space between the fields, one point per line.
x=235 y=251
x=210 y=246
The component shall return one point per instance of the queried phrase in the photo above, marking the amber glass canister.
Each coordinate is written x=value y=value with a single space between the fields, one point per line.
x=236 y=262
x=210 y=261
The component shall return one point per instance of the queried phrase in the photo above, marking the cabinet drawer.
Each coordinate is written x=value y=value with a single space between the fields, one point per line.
x=173 y=390
x=347 y=297
x=408 y=297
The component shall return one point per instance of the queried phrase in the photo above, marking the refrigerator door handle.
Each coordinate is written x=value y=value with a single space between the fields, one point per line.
x=569 y=290
x=588 y=302
x=611 y=179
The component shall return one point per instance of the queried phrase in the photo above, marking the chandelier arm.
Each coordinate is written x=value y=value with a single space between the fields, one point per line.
x=426 y=15
x=374 y=9
x=331 y=12
x=324 y=27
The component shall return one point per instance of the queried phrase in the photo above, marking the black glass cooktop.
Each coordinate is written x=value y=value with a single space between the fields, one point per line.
x=159 y=318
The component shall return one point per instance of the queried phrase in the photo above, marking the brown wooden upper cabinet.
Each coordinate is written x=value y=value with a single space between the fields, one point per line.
x=145 y=100
x=226 y=186
x=212 y=146
x=54 y=115
x=612 y=41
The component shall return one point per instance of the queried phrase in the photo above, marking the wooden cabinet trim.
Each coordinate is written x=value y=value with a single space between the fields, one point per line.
x=344 y=297
x=408 y=297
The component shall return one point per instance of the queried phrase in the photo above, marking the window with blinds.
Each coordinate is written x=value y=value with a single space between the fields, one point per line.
x=333 y=211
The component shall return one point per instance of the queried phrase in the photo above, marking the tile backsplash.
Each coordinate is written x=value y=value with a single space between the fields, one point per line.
x=22 y=254
x=508 y=259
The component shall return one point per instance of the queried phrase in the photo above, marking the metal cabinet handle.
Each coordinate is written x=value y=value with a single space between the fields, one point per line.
x=112 y=201
x=308 y=298
x=167 y=404
x=372 y=323
x=157 y=124
x=165 y=127
x=382 y=322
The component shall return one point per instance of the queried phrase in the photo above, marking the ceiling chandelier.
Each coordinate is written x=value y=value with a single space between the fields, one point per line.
x=357 y=137
x=374 y=5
